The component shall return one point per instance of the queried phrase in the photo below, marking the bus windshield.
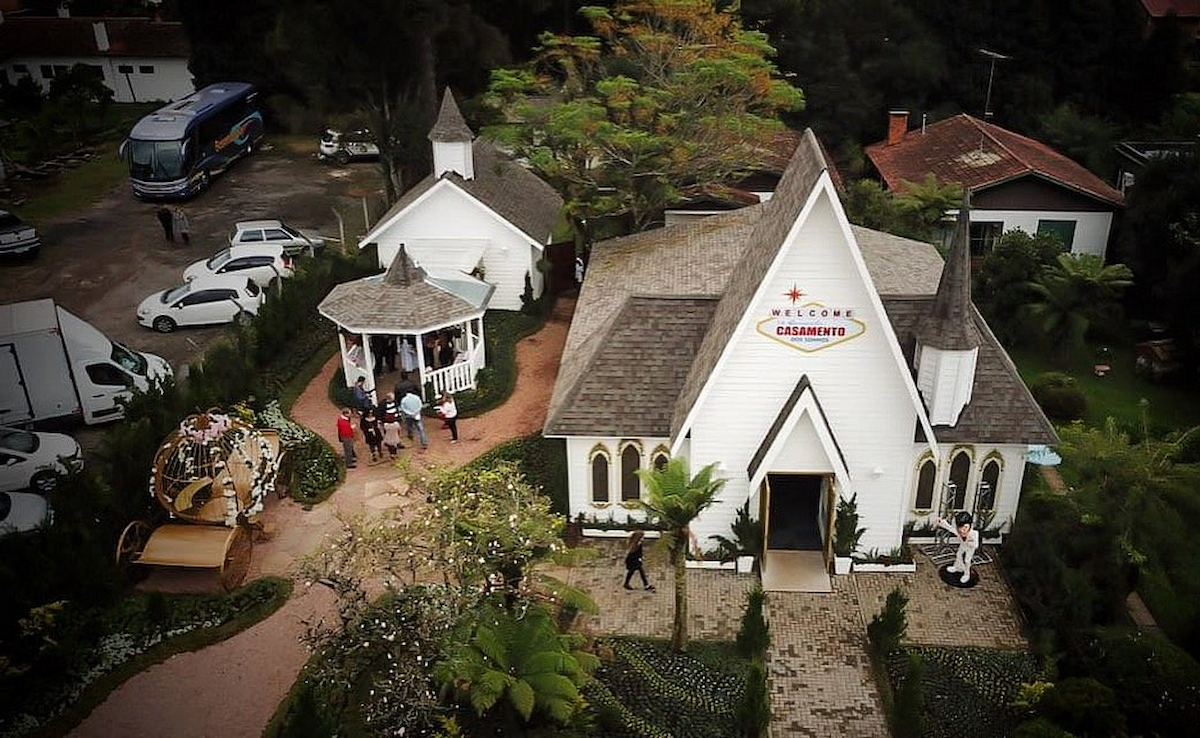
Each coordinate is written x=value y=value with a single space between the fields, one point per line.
x=155 y=161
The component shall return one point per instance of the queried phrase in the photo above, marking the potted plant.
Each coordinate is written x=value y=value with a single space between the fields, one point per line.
x=846 y=534
x=745 y=544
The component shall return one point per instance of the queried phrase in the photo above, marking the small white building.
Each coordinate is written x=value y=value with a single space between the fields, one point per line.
x=139 y=59
x=477 y=213
x=810 y=359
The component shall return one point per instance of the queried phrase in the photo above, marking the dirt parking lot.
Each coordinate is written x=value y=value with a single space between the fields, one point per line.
x=101 y=261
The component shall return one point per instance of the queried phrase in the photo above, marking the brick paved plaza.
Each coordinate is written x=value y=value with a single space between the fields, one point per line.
x=821 y=681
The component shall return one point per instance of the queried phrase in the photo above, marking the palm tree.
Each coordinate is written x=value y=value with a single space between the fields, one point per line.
x=1074 y=292
x=674 y=501
x=519 y=665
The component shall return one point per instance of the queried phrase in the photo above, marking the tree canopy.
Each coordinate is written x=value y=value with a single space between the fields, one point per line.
x=666 y=94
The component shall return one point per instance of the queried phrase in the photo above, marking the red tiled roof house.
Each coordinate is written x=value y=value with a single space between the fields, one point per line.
x=1015 y=182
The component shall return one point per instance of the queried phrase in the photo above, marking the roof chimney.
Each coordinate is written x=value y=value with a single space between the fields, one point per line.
x=897 y=126
x=100 y=31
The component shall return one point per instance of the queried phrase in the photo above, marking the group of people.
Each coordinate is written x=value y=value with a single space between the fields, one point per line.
x=381 y=425
x=174 y=222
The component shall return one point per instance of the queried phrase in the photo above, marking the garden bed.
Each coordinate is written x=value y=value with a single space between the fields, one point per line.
x=643 y=689
x=967 y=690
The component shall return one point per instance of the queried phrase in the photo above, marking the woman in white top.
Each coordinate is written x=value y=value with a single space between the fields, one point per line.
x=449 y=412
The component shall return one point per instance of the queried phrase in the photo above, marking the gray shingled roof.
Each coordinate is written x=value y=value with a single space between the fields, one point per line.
x=897 y=265
x=950 y=324
x=1001 y=409
x=450 y=125
x=395 y=303
x=658 y=336
x=779 y=214
x=512 y=191
x=692 y=259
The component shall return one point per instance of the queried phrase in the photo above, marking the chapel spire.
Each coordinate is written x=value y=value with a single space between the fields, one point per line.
x=451 y=137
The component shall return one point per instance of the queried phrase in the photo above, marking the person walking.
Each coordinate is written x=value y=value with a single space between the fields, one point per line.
x=633 y=560
x=410 y=409
x=182 y=225
x=373 y=434
x=167 y=220
x=345 y=431
x=391 y=425
x=449 y=412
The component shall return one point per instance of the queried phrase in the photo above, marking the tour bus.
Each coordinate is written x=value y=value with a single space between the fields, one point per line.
x=174 y=151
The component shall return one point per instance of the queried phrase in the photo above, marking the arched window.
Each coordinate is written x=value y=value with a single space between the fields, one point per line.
x=631 y=461
x=960 y=471
x=986 y=500
x=926 y=478
x=600 y=494
x=660 y=458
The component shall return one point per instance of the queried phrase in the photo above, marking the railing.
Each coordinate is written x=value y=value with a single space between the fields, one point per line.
x=456 y=377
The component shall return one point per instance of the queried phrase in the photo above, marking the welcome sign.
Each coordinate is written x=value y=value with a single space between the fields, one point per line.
x=810 y=326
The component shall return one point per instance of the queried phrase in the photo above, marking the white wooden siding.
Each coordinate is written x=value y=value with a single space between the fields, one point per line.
x=170 y=79
x=447 y=214
x=1091 y=228
x=858 y=384
x=1008 y=492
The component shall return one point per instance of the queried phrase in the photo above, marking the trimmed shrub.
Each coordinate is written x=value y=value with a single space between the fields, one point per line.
x=1060 y=399
x=1083 y=706
x=754 y=709
x=909 y=712
x=889 y=627
x=1157 y=684
x=754 y=636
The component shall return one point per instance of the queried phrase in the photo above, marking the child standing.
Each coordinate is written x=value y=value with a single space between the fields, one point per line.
x=372 y=434
x=449 y=412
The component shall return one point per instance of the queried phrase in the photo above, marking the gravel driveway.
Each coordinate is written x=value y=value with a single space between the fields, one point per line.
x=100 y=262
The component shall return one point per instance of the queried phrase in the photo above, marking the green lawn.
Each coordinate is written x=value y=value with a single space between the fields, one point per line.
x=1172 y=405
x=77 y=188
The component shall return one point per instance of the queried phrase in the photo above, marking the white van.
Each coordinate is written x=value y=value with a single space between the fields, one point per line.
x=55 y=365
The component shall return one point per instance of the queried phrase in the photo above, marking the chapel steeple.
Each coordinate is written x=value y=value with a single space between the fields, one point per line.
x=451 y=137
x=947 y=338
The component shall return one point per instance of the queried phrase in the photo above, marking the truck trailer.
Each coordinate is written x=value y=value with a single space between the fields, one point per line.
x=56 y=367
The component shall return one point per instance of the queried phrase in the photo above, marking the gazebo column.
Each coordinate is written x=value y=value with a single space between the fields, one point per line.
x=471 y=341
x=421 y=363
x=482 y=346
x=369 y=368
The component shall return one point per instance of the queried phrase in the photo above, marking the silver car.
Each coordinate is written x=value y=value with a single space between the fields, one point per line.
x=293 y=240
x=17 y=236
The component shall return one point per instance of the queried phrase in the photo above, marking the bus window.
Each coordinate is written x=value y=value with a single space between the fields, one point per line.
x=155 y=161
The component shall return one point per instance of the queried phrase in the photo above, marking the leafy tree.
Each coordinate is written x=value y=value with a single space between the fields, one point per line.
x=674 y=500
x=1002 y=283
x=667 y=93
x=916 y=212
x=519 y=667
x=82 y=86
x=1072 y=293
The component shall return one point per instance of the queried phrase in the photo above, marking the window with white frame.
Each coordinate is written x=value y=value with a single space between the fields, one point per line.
x=960 y=473
x=599 y=466
x=631 y=461
x=926 y=479
x=989 y=482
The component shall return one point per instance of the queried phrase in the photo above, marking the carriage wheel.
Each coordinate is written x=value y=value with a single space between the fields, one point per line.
x=132 y=542
x=237 y=558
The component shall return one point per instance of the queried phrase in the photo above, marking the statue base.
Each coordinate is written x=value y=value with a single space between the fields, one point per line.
x=954 y=578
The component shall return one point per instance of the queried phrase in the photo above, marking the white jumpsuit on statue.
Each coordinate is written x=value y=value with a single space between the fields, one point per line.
x=966 y=550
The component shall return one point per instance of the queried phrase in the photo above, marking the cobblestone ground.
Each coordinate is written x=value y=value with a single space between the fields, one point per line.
x=821 y=682
x=938 y=615
x=716 y=599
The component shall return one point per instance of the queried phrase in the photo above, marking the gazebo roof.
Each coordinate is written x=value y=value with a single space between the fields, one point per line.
x=406 y=299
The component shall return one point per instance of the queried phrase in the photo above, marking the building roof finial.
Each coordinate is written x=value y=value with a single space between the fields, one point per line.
x=950 y=324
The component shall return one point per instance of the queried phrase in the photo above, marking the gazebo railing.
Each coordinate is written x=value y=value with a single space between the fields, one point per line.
x=457 y=377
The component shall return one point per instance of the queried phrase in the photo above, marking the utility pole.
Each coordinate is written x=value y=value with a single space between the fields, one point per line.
x=994 y=56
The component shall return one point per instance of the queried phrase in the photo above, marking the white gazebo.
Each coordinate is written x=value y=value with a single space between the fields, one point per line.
x=410 y=303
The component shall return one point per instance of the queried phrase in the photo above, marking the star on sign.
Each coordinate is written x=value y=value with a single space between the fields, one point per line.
x=793 y=294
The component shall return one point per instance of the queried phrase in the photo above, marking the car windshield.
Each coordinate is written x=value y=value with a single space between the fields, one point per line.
x=218 y=260
x=155 y=161
x=17 y=440
x=174 y=294
x=8 y=220
x=128 y=360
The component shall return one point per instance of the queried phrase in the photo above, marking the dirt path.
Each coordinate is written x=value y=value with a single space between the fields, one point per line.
x=232 y=688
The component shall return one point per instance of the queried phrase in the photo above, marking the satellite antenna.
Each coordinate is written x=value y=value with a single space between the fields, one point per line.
x=994 y=56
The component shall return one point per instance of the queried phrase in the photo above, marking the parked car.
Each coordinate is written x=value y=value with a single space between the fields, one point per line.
x=293 y=240
x=207 y=300
x=342 y=147
x=33 y=461
x=17 y=237
x=264 y=263
x=21 y=512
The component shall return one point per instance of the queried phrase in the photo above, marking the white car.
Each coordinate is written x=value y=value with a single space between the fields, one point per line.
x=342 y=147
x=17 y=236
x=33 y=461
x=21 y=512
x=264 y=263
x=203 y=301
x=293 y=240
